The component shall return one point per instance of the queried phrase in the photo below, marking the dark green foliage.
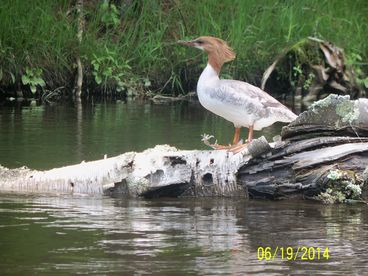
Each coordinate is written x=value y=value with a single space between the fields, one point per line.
x=132 y=41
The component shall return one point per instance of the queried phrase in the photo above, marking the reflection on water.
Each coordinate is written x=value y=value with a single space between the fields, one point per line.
x=69 y=235
x=44 y=137
x=214 y=237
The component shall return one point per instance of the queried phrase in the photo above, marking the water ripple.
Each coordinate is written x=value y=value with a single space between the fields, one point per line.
x=212 y=236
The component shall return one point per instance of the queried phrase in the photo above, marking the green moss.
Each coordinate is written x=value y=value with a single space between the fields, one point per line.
x=334 y=174
x=321 y=104
x=347 y=111
x=341 y=187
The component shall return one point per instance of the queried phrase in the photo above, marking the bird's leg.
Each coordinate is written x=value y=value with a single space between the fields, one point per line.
x=250 y=134
x=237 y=148
x=236 y=136
x=223 y=147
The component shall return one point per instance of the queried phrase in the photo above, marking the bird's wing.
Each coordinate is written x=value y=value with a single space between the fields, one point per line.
x=253 y=92
x=250 y=95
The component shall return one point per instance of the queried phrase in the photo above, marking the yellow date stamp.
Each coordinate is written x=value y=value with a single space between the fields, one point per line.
x=300 y=253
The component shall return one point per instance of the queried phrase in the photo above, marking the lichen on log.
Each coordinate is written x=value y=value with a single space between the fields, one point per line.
x=320 y=140
x=334 y=116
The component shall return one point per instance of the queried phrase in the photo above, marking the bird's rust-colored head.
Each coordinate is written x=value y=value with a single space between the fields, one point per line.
x=218 y=50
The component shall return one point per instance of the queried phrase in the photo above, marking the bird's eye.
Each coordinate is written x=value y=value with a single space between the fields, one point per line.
x=200 y=42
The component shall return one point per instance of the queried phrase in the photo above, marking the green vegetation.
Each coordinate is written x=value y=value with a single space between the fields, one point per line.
x=33 y=78
x=130 y=46
x=342 y=186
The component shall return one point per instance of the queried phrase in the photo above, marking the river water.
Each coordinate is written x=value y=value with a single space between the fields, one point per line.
x=64 y=234
x=48 y=136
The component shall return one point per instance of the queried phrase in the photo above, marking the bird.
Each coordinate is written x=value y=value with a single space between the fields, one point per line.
x=241 y=103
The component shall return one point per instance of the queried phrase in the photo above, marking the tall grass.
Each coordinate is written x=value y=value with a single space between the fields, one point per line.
x=260 y=30
x=35 y=34
x=42 y=34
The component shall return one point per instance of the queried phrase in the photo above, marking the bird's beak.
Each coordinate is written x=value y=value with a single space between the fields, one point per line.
x=186 y=43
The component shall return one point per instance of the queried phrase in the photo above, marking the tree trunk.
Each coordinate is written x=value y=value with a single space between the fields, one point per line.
x=324 y=154
x=79 y=82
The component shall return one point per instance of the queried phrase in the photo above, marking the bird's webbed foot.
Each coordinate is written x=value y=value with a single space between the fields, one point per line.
x=232 y=148
x=206 y=140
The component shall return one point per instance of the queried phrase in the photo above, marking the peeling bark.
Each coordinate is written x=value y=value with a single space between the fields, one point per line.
x=202 y=173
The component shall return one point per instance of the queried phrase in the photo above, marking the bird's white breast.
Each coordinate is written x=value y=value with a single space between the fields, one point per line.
x=240 y=103
x=208 y=79
x=207 y=82
x=210 y=97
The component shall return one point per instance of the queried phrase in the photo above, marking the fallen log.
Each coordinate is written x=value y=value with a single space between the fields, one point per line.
x=135 y=174
x=323 y=154
x=331 y=137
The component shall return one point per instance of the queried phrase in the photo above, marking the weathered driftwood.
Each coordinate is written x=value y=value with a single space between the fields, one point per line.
x=328 y=142
x=162 y=170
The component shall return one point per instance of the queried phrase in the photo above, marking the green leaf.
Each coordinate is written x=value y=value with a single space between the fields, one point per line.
x=96 y=66
x=115 y=21
x=41 y=82
x=114 y=9
x=107 y=72
x=1 y=74
x=25 y=79
x=366 y=82
x=108 y=51
x=98 y=79
x=105 y=19
x=147 y=83
x=29 y=72
x=358 y=57
x=12 y=77
x=33 y=89
x=105 y=5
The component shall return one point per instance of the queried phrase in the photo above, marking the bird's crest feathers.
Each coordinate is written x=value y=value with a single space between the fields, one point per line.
x=217 y=46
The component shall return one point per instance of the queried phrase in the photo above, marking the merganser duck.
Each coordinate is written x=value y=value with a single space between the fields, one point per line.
x=239 y=102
